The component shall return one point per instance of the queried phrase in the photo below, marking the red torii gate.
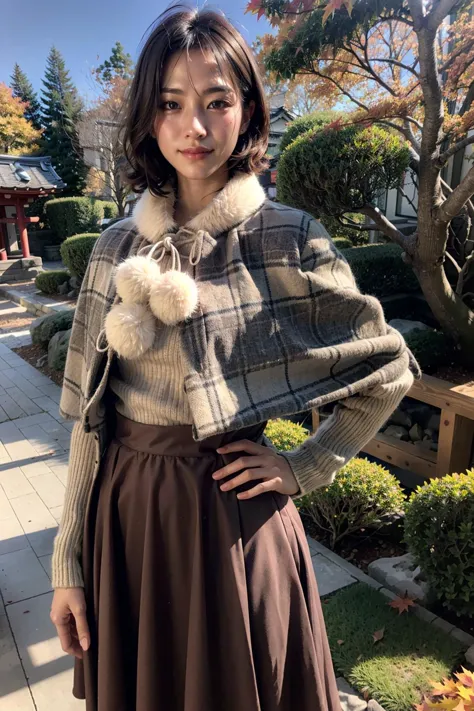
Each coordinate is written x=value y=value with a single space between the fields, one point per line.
x=22 y=179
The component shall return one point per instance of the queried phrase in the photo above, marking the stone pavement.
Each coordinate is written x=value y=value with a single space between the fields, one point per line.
x=35 y=673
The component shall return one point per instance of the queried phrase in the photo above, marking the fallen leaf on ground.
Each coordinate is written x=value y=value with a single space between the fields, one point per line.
x=378 y=635
x=402 y=604
x=340 y=641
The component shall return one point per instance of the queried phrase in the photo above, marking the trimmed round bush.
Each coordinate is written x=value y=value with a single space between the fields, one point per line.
x=76 y=252
x=332 y=171
x=379 y=270
x=342 y=243
x=285 y=435
x=305 y=123
x=362 y=495
x=43 y=328
x=439 y=531
x=48 y=282
x=74 y=215
x=432 y=349
x=110 y=210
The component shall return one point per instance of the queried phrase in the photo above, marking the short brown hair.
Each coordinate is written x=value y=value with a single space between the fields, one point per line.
x=183 y=28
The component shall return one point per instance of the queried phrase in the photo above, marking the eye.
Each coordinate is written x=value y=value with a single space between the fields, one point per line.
x=163 y=105
x=220 y=101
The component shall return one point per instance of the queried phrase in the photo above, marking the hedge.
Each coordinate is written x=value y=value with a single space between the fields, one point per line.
x=49 y=281
x=74 y=215
x=76 y=252
x=379 y=270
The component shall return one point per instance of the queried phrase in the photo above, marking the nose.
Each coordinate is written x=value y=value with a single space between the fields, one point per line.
x=194 y=123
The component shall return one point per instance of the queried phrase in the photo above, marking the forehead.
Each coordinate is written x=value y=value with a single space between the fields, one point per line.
x=196 y=67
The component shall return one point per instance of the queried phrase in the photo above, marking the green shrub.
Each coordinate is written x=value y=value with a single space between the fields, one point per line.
x=432 y=349
x=300 y=125
x=333 y=171
x=285 y=435
x=379 y=270
x=74 y=215
x=48 y=282
x=439 y=531
x=342 y=243
x=362 y=495
x=335 y=229
x=110 y=210
x=76 y=252
x=43 y=329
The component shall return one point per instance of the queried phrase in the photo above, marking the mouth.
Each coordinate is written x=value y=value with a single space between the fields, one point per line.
x=196 y=151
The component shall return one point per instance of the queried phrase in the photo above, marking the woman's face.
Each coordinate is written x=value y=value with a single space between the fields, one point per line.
x=198 y=108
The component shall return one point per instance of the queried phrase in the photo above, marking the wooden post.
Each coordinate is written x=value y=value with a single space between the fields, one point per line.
x=3 y=236
x=21 y=222
x=315 y=418
x=456 y=435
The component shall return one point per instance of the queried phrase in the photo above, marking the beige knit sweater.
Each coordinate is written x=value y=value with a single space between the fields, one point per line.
x=149 y=390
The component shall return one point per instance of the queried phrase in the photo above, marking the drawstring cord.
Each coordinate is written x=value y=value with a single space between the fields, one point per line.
x=166 y=245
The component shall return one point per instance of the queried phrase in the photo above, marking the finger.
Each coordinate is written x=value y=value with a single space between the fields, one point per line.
x=270 y=485
x=242 y=445
x=247 y=475
x=68 y=643
x=240 y=463
x=80 y=618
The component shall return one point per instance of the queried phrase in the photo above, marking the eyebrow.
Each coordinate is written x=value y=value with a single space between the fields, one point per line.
x=222 y=89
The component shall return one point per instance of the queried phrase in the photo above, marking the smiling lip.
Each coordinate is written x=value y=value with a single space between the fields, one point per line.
x=196 y=151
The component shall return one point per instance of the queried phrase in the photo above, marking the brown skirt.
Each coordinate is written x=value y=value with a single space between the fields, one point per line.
x=196 y=600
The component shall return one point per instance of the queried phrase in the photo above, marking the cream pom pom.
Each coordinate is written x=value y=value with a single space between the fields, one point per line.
x=173 y=297
x=130 y=329
x=134 y=278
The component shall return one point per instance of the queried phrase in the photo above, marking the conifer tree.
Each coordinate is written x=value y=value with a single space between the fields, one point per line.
x=62 y=109
x=23 y=89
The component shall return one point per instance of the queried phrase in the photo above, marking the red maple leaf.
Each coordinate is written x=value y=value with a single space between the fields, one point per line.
x=402 y=604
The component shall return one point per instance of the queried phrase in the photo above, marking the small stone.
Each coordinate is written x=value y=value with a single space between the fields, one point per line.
x=416 y=433
x=434 y=421
x=401 y=418
x=400 y=574
x=397 y=432
x=63 y=288
x=42 y=360
x=72 y=294
x=374 y=705
x=470 y=655
x=350 y=700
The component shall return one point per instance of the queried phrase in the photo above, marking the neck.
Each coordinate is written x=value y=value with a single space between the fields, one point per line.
x=194 y=195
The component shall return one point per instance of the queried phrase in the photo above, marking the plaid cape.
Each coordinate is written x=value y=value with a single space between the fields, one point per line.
x=281 y=326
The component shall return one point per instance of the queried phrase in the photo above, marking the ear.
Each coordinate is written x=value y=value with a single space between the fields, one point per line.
x=247 y=115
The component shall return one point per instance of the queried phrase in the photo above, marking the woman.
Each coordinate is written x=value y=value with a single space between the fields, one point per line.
x=182 y=575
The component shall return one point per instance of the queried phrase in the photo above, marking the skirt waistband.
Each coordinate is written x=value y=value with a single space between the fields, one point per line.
x=177 y=440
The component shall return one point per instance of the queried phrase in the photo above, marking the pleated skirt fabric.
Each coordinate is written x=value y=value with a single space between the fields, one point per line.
x=196 y=600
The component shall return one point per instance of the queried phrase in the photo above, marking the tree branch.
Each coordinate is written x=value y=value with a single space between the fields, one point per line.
x=440 y=10
x=397 y=64
x=457 y=199
x=354 y=225
x=454 y=149
x=387 y=227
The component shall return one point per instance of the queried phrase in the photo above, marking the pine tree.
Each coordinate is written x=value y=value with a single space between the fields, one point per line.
x=62 y=109
x=23 y=89
x=119 y=64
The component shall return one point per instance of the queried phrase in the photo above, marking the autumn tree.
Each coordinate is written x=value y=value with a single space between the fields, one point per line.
x=99 y=132
x=23 y=89
x=17 y=134
x=405 y=65
x=61 y=111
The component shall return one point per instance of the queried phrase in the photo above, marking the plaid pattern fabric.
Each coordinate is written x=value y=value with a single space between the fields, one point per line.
x=280 y=328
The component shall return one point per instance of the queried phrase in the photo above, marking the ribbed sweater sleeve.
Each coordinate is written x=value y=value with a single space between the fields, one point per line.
x=66 y=568
x=353 y=422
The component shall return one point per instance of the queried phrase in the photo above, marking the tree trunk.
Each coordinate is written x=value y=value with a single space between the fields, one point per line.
x=455 y=318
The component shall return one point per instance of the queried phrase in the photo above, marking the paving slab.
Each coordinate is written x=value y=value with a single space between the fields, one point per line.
x=329 y=576
x=22 y=576
x=48 y=669
x=349 y=698
x=15 y=694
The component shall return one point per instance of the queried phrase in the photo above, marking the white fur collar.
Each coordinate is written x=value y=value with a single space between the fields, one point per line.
x=239 y=198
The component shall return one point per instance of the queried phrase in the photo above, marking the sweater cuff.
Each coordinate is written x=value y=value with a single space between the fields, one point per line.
x=313 y=467
x=67 y=574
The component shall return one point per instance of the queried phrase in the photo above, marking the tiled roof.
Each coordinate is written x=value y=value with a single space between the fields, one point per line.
x=14 y=171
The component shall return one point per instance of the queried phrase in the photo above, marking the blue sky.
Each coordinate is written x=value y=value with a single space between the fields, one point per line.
x=83 y=29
